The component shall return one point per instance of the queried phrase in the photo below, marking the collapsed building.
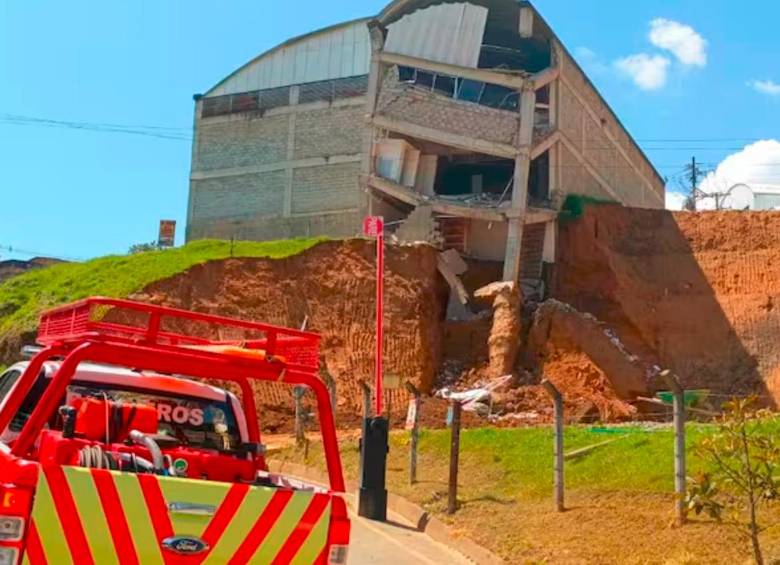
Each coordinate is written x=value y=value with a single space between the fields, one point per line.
x=465 y=124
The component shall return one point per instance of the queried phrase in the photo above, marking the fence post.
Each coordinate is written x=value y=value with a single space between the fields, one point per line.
x=300 y=433
x=330 y=382
x=558 y=489
x=452 y=501
x=673 y=383
x=415 y=432
x=366 y=399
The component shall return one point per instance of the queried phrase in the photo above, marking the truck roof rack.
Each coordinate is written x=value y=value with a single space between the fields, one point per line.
x=124 y=321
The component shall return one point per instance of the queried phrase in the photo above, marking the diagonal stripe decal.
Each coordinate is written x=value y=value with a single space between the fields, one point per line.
x=91 y=514
x=68 y=515
x=283 y=528
x=50 y=533
x=262 y=525
x=224 y=516
x=158 y=511
x=313 y=535
x=140 y=523
x=115 y=515
x=85 y=516
x=33 y=549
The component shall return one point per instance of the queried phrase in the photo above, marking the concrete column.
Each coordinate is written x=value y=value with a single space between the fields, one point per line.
x=377 y=35
x=525 y=137
x=287 y=205
x=193 y=159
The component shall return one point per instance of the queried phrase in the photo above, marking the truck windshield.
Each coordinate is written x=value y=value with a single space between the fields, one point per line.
x=194 y=422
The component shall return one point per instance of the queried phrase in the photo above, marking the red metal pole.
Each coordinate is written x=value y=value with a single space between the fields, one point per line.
x=380 y=268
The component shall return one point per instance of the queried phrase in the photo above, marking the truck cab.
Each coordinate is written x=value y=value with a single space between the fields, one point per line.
x=109 y=454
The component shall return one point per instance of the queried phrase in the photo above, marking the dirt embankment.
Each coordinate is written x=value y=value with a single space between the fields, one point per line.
x=332 y=286
x=693 y=292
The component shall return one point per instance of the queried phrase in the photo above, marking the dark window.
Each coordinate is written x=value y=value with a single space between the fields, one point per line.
x=539 y=179
x=274 y=98
x=407 y=74
x=217 y=106
x=425 y=79
x=350 y=87
x=499 y=97
x=470 y=90
x=29 y=404
x=7 y=381
x=244 y=102
x=444 y=85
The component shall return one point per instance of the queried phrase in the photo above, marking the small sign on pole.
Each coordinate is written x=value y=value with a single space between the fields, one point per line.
x=374 y=226
x=167 y=234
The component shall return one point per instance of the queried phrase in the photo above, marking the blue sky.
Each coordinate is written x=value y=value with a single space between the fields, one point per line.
x=81 y=194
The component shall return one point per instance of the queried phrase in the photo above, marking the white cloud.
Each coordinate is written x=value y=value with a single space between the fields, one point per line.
x=758 y=163
x=675 y=200
x=584 y=53
x=765 y=87
x=682 y=40
x=649 y=72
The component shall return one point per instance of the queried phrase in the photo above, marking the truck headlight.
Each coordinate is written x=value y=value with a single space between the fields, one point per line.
x=11 y=528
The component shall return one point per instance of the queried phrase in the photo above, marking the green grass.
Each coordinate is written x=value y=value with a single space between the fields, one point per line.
x=24 y=297
x=518 y=463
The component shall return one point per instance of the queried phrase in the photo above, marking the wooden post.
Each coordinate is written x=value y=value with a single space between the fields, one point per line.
x=366 y=399
x=415 y=432
x=558 y=489
x=452 y=502
x=331 y=383
x=300 y=433
x=673 y=383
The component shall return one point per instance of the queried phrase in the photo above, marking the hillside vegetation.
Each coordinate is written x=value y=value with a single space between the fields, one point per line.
x=24 y=297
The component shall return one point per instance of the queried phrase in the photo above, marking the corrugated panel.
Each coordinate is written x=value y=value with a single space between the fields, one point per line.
x=448 y=33
x=338 y=53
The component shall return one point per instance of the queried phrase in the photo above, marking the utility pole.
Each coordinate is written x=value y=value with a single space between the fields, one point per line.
x=694 y=178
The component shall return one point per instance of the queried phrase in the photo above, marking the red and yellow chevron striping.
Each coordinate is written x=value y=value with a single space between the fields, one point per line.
x=82 y=517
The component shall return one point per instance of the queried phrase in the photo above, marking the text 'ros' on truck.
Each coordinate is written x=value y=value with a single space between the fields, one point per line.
x=110 y=455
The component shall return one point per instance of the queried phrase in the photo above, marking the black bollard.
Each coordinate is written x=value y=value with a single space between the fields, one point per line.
x=374 y=448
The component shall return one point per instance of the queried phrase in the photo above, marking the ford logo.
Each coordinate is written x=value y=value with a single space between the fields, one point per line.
x=185 y=545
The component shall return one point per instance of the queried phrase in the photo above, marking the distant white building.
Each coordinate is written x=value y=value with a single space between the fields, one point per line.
x=753 y=196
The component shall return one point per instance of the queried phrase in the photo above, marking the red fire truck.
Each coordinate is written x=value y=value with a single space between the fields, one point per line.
x=115 y=450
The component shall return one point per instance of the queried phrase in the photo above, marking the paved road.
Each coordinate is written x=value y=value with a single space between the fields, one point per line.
x=396 y=543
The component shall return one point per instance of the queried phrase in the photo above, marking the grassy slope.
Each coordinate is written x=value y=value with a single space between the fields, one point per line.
x=22 y=298
x=619 y=492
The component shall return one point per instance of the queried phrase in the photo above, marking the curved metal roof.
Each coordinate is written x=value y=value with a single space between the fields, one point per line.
x=288 y=43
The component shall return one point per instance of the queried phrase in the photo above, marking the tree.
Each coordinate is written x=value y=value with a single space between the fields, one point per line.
x=743 y=458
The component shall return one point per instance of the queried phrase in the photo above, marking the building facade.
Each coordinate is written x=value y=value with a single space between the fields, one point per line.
x=461 y=123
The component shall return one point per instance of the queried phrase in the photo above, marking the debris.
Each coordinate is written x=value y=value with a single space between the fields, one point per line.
x=504 y=340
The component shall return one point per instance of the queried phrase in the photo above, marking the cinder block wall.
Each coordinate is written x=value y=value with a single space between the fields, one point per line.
x=290 y=171
x=601 y=141
x=411 y=104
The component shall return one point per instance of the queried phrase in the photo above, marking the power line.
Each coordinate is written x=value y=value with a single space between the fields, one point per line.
x=30 y=253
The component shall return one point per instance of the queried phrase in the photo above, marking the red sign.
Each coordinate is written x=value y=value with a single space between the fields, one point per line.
x=167 y=235
x=373 y=226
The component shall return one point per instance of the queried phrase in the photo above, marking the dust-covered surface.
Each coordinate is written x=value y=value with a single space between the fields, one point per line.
x=695 y=293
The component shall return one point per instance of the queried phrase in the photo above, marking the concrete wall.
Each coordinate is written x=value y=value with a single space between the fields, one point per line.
x=487 y=240
x=619 y=170
x=286 y=172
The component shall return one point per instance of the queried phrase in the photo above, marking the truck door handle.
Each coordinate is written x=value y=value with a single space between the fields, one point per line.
x=191 y=508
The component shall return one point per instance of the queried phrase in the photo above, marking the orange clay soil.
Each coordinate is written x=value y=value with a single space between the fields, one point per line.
x=693 y=292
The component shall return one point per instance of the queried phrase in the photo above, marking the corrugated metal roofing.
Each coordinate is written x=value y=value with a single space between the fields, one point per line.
x=337 y=52
x=448 y=33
